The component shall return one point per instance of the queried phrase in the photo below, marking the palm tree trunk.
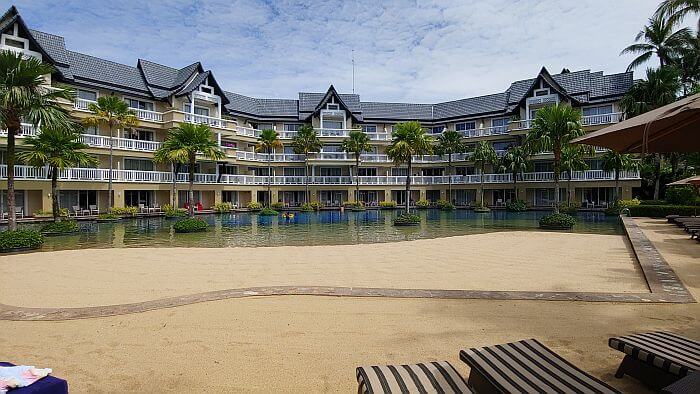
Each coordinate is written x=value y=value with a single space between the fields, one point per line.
x=55 y=210
x=190 y=210
x=481 y=187
x=357 y=178
x=269 y=178
x=12 y=129
x=306 y=178
x=557 y=158
x=172 y=194
x=657 y=175
x=109 y=181
x=515 y=186
x=449 y=178
x=568 y=188
x=408 y=186
x=617 y=185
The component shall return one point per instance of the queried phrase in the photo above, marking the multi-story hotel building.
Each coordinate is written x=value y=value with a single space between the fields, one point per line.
x=163 y=97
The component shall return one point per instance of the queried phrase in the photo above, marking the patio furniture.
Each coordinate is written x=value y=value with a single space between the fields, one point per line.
x=49 y=384
x=432 y=377
x=94 y=210
x=143 y=208
x=688 y=385
x=156 y=208
x=526 y=366
x=77 y=211
x=657 y=358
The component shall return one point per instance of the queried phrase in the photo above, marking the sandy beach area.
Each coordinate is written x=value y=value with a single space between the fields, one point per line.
x=313 y=344
x=516 y=261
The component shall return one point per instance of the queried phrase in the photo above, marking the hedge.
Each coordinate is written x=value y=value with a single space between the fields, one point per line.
x=62 y=227
x=387 y=204
x=557 y=221
x=516 y=206
x=20 y=239
x=423 y=204
x=268 y=212
x=660 y=211
x=190 y=225
x=406 y=219
x=445 y=205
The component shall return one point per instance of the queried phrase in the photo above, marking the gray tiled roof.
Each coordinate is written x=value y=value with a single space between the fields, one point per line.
x=262 y=107
x=399 y=111
x=471 y=106
x=309 y=101
x=105 y=71
x=54 y=45
x=194 y=83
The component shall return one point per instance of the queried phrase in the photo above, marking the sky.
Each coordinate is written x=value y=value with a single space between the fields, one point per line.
x=404 y=51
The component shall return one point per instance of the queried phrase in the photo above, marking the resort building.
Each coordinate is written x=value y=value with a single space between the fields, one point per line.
x=163 y=97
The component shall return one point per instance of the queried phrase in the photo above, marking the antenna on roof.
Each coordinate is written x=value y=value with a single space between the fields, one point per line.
x=353 y=71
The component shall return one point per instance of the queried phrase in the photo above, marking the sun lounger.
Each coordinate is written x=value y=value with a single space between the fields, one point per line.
x=49 y=384
x=526 y=366
x=657 y=358
x=433 y=377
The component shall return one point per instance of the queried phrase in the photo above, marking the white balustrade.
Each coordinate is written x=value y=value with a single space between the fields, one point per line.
x=484 y=132
x=208 y=120
x=593 y=120
x=26 y=130
x=82 y=104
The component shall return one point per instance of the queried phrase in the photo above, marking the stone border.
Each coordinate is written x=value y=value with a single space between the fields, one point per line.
x=663 y=282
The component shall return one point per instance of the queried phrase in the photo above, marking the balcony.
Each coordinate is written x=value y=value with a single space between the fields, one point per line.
x=207 y=120
x=543 y=100
x=102 y=174
x=264 y=157
x=101 y=141
x=590 y=120
x=141 y=114
x=485 y=132
x=26 y=130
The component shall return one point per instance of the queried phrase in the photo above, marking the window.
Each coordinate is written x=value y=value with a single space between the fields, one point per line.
x=331 y=148
x=533 y=113
x=134 y=134
x=263 y=126
x=541 y=92
x=92 y=130
x=331 y=124
x=500 y=124
x=87 y=95
x=138 y=164
x=292 y=126
x=261 y=171
x=139 y=104
x=229 y=143
x=227 y=169
x=197 y=110
x=293 y=171
x=289 y=149
x=134 y=198
x=464 y=126
x=14 y=43
x=366 y=171
x=330 y=171
x=503 y=145
x=205 y=89
x=399 y=171
x=600 y=110
x=432 y=171
x=437 y=129
x=369 y=128
x=333 y=106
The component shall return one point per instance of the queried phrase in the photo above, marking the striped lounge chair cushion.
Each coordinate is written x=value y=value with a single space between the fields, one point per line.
x=530 y=367
x=434 y=377
x=670 y=352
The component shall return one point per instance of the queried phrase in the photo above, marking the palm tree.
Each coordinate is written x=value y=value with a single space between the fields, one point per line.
x=677 y=10
x=163 y=156
x=115 y=113
x=356 y=144
x=552 y=129
x=483 y=155
x=449 y=143
x=660 y=88
x=183 y=144
x=572 y=159
x=58 y=149
x=407 y=140
x=268 y=142
x=515 y=162
x=24 y=96
x=657 y=38
x=305 y=142
x=686 y=61
x=618 y=162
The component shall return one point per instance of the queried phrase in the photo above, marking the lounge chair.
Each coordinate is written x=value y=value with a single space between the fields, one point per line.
x=657 y=358
x=143 y=208
x=155 y=208
x=433 y=377
x=526 y=366
x=94 y=210
x=77 y=211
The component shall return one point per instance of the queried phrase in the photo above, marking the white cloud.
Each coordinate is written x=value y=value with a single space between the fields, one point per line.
x=416 y=51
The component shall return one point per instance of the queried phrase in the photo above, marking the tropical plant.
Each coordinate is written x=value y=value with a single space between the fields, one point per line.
x=267 y=211
x=422 y=204
x=572 y=159
x=183 y=144
x=618 y=162
x=676 y=10
x=686 y=61
x=406 y=219
x=305 y=142
x=515 y=162
x=407 y=140
x=190 y=225
x=125 y=211
x=356 y=144
x=552 y=130
x=12 y=240
x=223 y=207
x=62 y=227
x=450 y=143
x=25 y=97
x=516 y=206
x=268 y=142
x=254 y=206
x=656 y=38
x=58 y=149
x=483 y=155
x=115 y=113
x=557 y=221
x=445 y=205
x=387 y=204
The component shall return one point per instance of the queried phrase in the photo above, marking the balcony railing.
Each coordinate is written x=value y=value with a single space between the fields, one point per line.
x=101 y=141
x=495 y=130
x=102 y=174
x=589 y=120
x=142 y=114
x=264 y=157
x=207 y=120
x=26 y=130
x=333 y=133
x=546 y=99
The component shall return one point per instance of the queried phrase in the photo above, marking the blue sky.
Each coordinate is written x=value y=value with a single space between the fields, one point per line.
x=422 y=51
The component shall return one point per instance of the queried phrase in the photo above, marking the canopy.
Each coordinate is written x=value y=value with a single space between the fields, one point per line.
x=671 y=128
x=693 y=180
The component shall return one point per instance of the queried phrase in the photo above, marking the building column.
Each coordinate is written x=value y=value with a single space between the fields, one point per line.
x=118 y=191
x=46 y=198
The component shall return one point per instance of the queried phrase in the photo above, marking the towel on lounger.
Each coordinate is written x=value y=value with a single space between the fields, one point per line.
x=20 y=376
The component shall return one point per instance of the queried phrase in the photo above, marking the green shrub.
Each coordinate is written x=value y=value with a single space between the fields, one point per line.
x=680 y=195
x=223 y=207
x=190 y=225
x=660 y=211
x=20 y=239
x=652 y=202
x=387 y=204
x=557 y=221
x=255 y=206
x=445 y=205
x=406 y=219
x=617 y=207
x=306 y=207
x=516 y=206
x=268 y=212
x=570 y=208
x=423 y=204
x=316 y=206
x=277 y=205
x=172 y=212
x=62 y=227
x=125 y=211
x=63 y=212
x=107 y=216
x=354 y=205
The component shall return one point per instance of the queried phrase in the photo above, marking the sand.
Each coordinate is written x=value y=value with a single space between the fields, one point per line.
x=313 y=344
x=516 y=261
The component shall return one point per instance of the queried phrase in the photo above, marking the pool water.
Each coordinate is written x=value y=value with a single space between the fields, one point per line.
x=318 y=228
